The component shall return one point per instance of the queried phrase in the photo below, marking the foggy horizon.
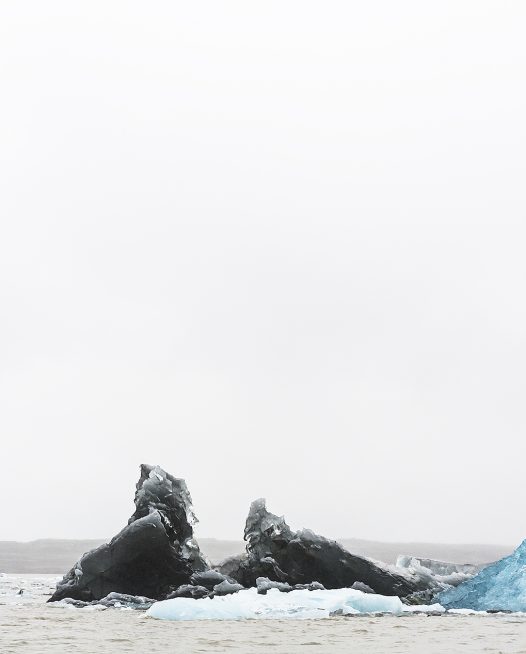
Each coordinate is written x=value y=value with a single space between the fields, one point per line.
x=277 y=266
x=199 y=535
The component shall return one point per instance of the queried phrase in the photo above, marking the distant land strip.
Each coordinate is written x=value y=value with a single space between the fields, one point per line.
x=56 y=556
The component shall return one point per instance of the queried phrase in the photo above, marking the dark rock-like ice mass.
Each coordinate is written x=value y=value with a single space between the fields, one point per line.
x=114 y=600
x=499 y=586
x=152 y=556
x=155 y=557
x=279 y=554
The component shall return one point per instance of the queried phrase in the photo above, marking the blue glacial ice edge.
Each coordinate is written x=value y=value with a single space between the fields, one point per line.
x=298 y=604
x=500 y=586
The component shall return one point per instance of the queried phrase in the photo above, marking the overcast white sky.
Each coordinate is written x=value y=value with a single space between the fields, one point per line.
x=277 y=248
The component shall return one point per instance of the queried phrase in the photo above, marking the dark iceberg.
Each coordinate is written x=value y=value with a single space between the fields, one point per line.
x=279 y=554
x=155 y=557
x=152 y=556
x=114 y=600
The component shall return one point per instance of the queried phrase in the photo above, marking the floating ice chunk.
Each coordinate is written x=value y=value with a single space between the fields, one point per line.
x=114 y=600
x=465 y=612
x=227 y=588
x=97 y=607
x=264 y=584
x=208 y=578
x=437 y=568
x=437 y=574
x=187 y=590
x=299 y=604
x=424 y=608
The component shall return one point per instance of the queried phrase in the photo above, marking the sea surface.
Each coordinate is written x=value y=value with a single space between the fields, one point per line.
x=29 y=625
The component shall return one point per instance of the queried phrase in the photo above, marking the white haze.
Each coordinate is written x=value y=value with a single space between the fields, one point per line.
x=277 y=248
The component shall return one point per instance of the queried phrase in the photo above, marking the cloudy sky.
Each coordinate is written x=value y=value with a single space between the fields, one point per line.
x=277 y=248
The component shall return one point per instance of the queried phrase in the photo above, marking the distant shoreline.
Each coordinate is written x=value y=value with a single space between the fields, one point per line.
x=56 y=556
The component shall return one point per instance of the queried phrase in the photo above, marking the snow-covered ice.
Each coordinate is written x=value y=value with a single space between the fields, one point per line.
x=439 y=573
x=438 y=568
x=298 y=604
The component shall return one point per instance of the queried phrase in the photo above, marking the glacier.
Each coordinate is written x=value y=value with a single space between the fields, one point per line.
x=499 y=586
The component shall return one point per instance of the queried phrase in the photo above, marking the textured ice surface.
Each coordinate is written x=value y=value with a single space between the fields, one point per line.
x=436 y=573
x=275 y=604
x=263 y=584
x=227 y=588
x=154 y=554
x=280 y=554
x=113 y=600
x=440 y=568
x=298 y=604
x=502 y=585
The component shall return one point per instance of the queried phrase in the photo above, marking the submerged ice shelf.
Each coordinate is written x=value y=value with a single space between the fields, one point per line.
x=297 y=604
